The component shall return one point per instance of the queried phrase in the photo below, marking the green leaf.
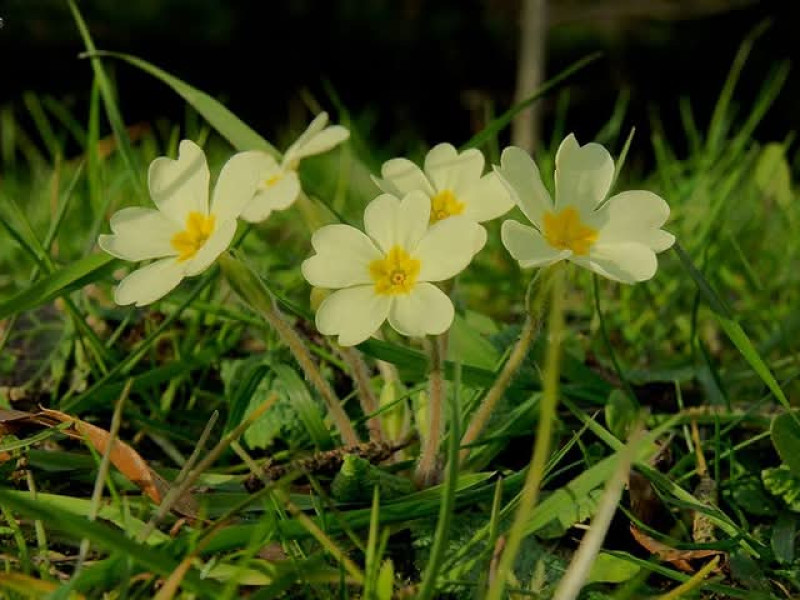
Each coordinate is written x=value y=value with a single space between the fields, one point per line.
x=608 y=568
x=72 y=277
x=773 y=176
x=110 y=102
x=307 y=408
x=785 y=433
x=621 y=412
x=783 y=535
x=385 y=585
x=733 y=330
x=781 y=482
x=229 y=126
x=100 y=534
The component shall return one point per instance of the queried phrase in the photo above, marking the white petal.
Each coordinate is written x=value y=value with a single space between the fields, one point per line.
x=149 y=283
x=139 y=234
x=319 y=143
x=215 y=245
x=400 y=176
x=425 y=311
x=237 y=183
x=449 y=170
x=583 y=175
x=487 y=199
x=353 y=314
x=392 y=222
x=521 y=177
x=180 y=186
x=634 y=216
x=343 y=257
x=480 y=239
x=278 y=196
x=527 y=245
x=447 y=248
x=317 y=124
x=627 y=262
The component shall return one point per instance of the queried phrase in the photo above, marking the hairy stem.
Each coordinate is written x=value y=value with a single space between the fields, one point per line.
x=253 y=291
x=541 y=447
x=512 y=365
x=427 y=473
x=366 y=395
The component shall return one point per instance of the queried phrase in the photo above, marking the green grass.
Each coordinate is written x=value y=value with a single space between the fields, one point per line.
x=711 y=341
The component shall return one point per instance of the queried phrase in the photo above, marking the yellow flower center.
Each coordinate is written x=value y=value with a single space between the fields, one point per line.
x=395 y=273
x=565 y=230
x=273 y=179
x=445 y=204
x=199 y=228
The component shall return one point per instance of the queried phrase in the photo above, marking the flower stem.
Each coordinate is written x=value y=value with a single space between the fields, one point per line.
x=427 y=473
x=518 y=354
x=366 y=395
x=541 y=448
x=252 y=290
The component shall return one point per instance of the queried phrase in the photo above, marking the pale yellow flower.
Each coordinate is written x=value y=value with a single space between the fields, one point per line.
x=386 y=273
x=617 y=238
x=183 y=232
x=279 y=184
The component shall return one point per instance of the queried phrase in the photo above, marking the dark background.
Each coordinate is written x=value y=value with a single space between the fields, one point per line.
x=407 y=67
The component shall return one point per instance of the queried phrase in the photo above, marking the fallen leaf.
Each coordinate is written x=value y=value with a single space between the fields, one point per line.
x=678 y=558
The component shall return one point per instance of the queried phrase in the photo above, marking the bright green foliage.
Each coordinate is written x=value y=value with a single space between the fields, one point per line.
x=357 y=478
x=783 y=483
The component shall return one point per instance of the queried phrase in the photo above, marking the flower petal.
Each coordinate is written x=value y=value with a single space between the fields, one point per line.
x=276 y=196
x=354 y=314
x=139 y=234
x=521 y=177
x=317 y=144
x=180 y=186
x=583 y=175
x=447 y=248
x=626 y=262
x=634 y=216
x=343 y=257
x=215 y=245
x=526 y=245
x=400 y=176
x=317 y=124
x=425 y=311
x=487 y=199
x=149 y=283
x=449 y=170
x=238 y=181
x=392 y=222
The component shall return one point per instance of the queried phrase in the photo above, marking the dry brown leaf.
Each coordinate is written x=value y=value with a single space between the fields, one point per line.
x=678 y=558
x=123 y=457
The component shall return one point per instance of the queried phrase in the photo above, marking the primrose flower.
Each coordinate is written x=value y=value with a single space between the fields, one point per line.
x=453 y=182
x=183 y=232
x=386 y=273
x=618 y=238
x=280 y=186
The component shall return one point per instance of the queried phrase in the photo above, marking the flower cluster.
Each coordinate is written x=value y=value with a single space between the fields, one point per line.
x=424 y=228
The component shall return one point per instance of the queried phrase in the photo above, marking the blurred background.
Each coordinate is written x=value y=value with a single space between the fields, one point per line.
x=414 y=72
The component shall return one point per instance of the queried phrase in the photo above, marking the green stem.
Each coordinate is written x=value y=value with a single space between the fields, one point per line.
x=518 y=354
x=541 y=448
x=252 y=290
x=427 y=473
